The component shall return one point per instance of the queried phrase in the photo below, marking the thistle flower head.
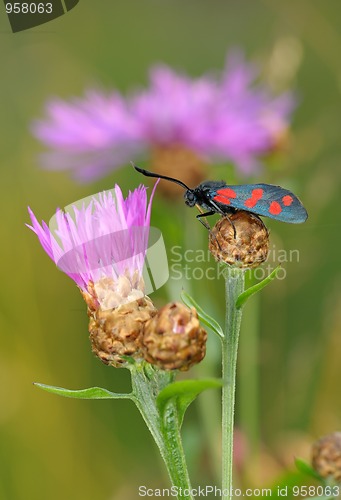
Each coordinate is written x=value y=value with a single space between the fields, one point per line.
x=240 y=240
x=226 y=117
x=101 y=246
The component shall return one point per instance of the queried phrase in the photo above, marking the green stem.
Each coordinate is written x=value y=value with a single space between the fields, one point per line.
x=234 y=287
x=175 y=457
x=147 y=382
x=248 y=375
x=209 y=408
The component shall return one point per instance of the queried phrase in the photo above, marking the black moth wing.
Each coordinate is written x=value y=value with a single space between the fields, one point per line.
x=261 y=199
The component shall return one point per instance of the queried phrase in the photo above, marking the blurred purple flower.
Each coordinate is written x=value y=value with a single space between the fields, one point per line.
x=226 y=119
x=175 y=110
x=102 y=243
x=248 y=122
x=89 y=136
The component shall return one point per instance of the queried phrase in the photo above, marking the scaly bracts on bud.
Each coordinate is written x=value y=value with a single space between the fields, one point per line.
x=326 y=456
x=173 y=339
x=116 y=331
x=240 y=240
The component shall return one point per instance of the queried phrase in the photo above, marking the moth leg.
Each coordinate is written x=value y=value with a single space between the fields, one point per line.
x=224 y=213
x=205 y=214
x=233 y=226
x=205 y=224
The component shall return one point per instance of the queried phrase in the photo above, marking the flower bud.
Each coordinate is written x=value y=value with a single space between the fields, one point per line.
x=177 y=161
x=173 y=339
x=240 y=240
x=117 y=331
x=326 y=456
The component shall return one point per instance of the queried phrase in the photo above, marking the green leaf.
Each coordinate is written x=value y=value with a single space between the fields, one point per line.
x=306 y=468
x=91 y=393
x=203 y=316
x=256 y=288
x=183 y=393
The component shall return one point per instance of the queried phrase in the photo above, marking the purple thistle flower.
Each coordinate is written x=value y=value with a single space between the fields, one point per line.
x=175 y=110
x=228 y=118
x=248 y=121
x=102 y=244
x=89 y=136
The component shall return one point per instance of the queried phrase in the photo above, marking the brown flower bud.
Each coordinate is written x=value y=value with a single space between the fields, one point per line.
x=326 y=456
x=177 y=161
x=118 y=312
x=240 y=240
x=173 y=339
x=118 y=332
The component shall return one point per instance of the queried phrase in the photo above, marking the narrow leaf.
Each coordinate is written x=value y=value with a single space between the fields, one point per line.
x=255 y=288
x=205 y=318
x=306 y=468
x=183 y=393
x=91 y=393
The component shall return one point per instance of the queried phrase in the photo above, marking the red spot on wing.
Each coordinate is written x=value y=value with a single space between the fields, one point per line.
x=256 y=195
x=287 y=200
x=222 y=199
x=224 y=195
x=228 y=192
x=275 y=208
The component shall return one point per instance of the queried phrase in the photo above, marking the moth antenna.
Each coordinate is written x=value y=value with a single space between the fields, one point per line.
x=147 y=173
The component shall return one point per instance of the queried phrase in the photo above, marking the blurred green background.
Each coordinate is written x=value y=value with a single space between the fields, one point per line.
x=53 y=448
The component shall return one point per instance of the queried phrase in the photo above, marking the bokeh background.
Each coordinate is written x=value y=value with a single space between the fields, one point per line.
x=289 y=371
